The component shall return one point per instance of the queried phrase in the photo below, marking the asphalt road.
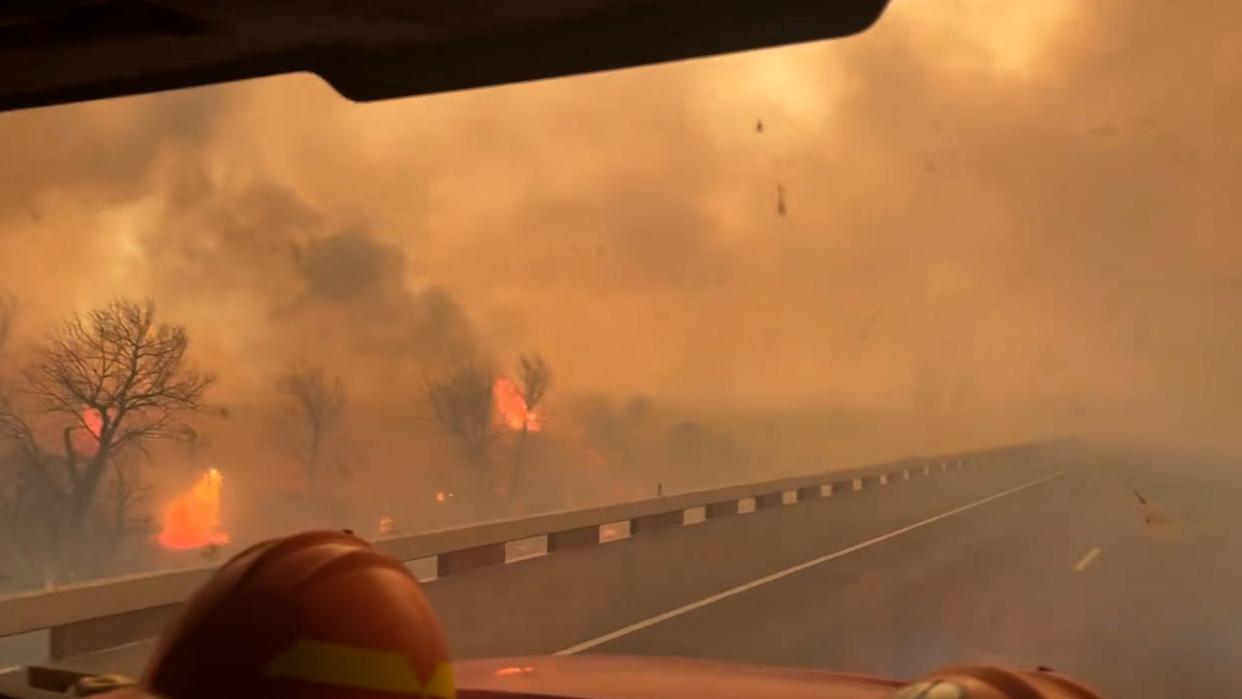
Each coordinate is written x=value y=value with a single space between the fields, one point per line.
x=1054 y=563
x=1073 y=572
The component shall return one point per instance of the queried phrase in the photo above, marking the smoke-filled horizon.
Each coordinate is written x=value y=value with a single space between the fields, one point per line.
x=996 y=221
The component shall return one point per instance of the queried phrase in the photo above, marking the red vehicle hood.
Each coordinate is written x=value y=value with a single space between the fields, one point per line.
x=624 y=677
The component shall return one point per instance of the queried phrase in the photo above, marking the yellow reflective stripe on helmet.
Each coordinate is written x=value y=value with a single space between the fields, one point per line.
x=360 y=668
x=441 y=684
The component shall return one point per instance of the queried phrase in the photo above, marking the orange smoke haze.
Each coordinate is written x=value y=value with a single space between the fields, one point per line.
x=192 y=519
x=1004 y=220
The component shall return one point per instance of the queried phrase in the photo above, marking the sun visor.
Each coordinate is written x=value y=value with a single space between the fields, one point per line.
x=56 y=51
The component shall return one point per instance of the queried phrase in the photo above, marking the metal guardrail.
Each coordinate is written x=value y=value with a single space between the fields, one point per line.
x=107 y=613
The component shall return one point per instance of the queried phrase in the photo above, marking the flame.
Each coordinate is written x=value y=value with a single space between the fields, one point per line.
x=443 y=496
x=511 y=407
x=86 y=441
x=192 y=520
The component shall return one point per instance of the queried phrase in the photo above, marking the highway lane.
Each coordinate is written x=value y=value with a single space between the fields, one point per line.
x=1069 y=573
x=1075 y=574
x=547 y=604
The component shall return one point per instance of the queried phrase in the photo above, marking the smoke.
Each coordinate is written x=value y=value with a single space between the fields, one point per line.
x=363 y=280
x=1002 y=221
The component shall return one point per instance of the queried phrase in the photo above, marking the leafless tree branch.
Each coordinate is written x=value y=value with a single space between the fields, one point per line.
x=534 y=377
x=463 y=405
x=110 y=381
x=316 y=405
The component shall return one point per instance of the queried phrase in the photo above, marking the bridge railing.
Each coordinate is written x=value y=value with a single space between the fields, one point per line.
x=98 y=615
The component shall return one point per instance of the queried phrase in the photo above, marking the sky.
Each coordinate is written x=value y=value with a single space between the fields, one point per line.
x=1003 y=220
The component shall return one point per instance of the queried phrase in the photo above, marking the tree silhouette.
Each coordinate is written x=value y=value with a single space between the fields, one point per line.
x=106 y=383
x=315 y=406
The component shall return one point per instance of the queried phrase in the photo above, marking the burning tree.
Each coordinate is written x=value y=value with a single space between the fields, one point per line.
x=462 y=400
x=109 y=382
x=477 y=406
x=534 y=376
x=315 y=407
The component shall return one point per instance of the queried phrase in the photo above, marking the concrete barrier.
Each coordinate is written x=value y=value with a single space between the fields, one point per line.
x=107 y=613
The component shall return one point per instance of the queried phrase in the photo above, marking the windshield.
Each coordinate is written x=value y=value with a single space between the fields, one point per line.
x=236 y=312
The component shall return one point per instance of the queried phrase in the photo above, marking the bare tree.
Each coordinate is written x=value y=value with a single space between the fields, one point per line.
x=316 y=404
x=29 y=513
x=463 y=404
x=126 y=499
x=110 y=381
x=534 y=377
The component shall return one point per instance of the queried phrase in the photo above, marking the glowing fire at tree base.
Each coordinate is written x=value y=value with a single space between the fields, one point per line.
x=192 y=520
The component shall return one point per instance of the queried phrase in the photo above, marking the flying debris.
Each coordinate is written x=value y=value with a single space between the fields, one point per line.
x=1151 y=515
x=780 y=200
x=759 y=126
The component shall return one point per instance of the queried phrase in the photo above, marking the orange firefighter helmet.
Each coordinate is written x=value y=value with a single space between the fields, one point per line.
x=318 y=615
x=979 y=682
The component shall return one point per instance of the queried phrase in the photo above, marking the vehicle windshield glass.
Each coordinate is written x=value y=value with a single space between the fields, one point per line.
x=240 y=311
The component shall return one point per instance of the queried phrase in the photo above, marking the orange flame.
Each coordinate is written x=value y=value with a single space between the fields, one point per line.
x=511 y=407
x=86 y=440
x=387 y=525
x=192 y=520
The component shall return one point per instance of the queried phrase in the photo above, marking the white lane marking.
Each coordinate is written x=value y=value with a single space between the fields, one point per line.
x=673 y=613
x=1086 y=560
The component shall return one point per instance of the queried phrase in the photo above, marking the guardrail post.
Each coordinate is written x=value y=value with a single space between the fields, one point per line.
x=651 y=523
x=769 y=500
x=573 y=538
x=811 y=492
x=454 y=562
